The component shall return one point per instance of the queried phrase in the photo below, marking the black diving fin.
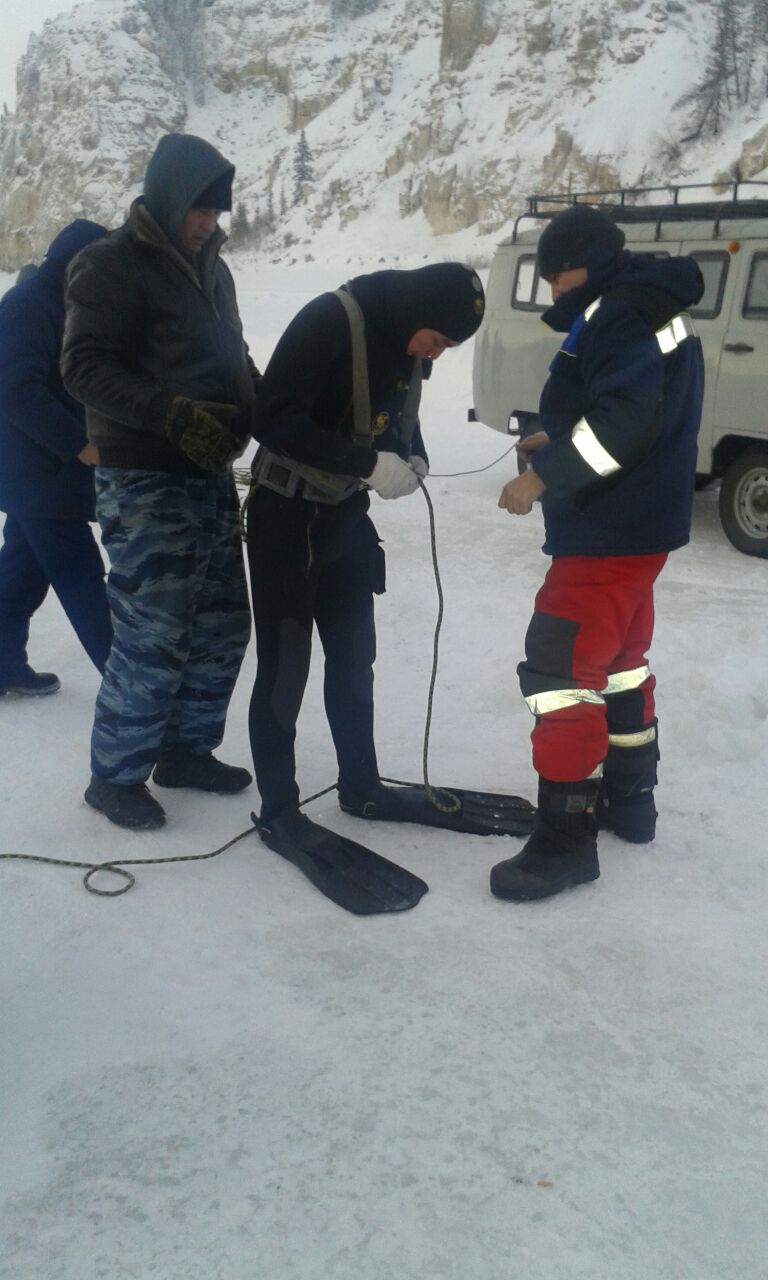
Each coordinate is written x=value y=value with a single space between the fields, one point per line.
x=352 y=876
x=478 y=813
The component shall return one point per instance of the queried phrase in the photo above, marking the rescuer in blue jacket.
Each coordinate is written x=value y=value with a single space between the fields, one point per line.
x=46 y=475
x=614 y=468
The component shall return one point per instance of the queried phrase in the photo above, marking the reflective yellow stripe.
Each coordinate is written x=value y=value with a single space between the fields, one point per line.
x=639 y=739
x=592 y=451
x=597 y=772
x=670 y=337
x=556 y=699
x=620 y=681
x=591 y=309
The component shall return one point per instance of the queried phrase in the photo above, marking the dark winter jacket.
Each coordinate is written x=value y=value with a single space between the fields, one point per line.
x=42 y=429
x=622 y=408
x=305 y=405
x=147 y=322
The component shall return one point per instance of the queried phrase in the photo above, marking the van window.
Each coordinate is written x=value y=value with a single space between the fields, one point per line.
x=714 y=269
x=530 y=292
x=756 y=301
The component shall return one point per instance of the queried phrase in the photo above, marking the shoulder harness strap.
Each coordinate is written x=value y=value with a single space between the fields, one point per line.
x=289 y=478
x=361 y=396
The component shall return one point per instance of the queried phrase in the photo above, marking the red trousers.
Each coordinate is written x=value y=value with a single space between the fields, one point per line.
x=585 y=660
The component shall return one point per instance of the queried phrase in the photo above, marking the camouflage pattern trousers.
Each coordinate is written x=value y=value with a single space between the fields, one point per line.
x=181 y=618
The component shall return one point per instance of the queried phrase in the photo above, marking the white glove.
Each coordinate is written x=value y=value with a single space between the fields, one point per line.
x=418 y=464
x=391 y=477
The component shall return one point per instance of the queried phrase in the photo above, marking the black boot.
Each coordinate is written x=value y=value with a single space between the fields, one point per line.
x=127 y=805
x=562 y=849
x=177 y=767
x=632 y=817
x=625 y=802
x=31 y=684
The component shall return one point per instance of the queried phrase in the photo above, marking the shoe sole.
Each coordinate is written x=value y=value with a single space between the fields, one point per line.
x=18 y=691
x=152 y=825
x=545 y=891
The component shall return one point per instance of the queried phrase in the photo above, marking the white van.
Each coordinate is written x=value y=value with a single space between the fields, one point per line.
x=729 y=240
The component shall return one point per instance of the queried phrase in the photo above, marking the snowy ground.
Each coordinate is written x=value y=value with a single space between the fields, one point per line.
x=221 y=1076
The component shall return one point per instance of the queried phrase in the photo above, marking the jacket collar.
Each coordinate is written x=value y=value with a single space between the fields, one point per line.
x=143 y=227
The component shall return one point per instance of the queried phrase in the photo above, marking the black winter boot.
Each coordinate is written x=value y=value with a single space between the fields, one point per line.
x=625 y=802
x=632 y=818
x=31 y=684
x=127 y=805
x=562 y=849
x=177 y=767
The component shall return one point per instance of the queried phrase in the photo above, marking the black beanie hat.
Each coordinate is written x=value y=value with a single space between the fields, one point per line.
x=568 y=240
x=217 y=196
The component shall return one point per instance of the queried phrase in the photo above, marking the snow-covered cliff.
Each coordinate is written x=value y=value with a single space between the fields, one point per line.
x=359 y=122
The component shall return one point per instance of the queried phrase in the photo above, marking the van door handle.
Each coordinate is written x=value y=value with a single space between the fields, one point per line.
x=739 y=347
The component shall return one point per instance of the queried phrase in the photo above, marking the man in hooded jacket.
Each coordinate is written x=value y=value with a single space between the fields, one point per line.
x=153 y=347
x=614 y=467
x=46 y=474
x=313 y=551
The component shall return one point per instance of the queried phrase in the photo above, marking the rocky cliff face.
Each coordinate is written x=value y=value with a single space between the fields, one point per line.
x=451 y=112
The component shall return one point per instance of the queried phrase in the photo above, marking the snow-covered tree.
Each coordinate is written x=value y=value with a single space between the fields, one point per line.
x=240 y=226
x=735 y=73
x=303 y=174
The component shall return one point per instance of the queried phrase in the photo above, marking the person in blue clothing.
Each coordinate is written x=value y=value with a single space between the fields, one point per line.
x=614 y=467
x=46 y=475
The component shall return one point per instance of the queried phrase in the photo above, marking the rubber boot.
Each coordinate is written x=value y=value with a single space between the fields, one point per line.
x=625 y=802
x=561 y=850
x=177 y=767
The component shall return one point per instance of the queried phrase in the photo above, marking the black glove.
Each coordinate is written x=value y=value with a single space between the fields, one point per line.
x=197 y=427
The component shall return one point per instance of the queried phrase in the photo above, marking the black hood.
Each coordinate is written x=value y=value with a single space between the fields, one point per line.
x=180 y=169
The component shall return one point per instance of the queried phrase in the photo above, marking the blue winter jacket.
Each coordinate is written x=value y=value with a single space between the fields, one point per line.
x=622 y=406
x=42 y=429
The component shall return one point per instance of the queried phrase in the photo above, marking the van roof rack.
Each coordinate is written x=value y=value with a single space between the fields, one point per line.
x=638 y=205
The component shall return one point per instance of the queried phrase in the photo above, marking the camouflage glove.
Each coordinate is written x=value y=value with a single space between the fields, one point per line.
x=197 y=427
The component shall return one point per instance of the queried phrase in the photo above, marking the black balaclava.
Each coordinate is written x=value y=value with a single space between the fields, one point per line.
x=447 y=297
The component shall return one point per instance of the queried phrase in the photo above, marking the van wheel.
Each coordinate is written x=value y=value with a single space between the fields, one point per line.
x=744 y=503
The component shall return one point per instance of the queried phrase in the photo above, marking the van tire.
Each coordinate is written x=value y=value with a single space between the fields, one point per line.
x=744 y=503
